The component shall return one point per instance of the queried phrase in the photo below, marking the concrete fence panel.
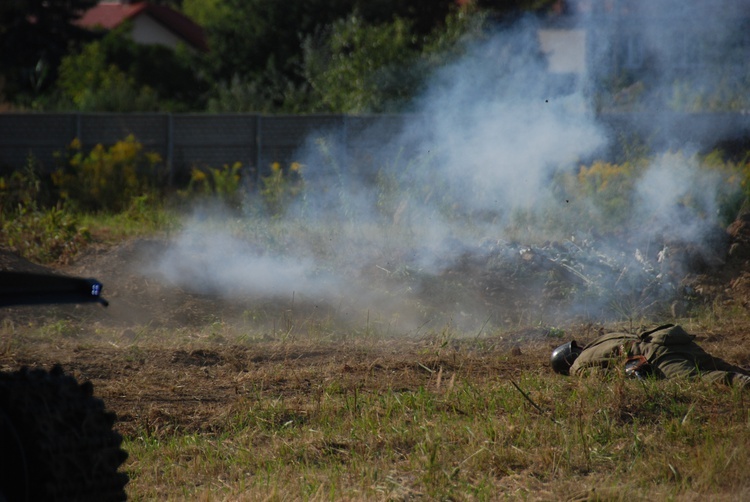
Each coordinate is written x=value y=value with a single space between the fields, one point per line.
x=213 y=141
x=354 y=144
x=40 y=135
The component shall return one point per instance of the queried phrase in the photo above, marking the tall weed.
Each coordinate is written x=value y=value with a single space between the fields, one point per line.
x=22 y=187
x=106 y=179
x=223 y=183
x=43 y=236
x=281 y=187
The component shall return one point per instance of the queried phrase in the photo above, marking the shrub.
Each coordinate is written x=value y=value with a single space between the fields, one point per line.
x=281 y=186
x=106 y=179
x=20 y=188
x=223 y=183
x=43 y=236
x=608 y=190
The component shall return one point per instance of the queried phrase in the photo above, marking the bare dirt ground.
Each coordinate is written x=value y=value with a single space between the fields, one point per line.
x=190 y=379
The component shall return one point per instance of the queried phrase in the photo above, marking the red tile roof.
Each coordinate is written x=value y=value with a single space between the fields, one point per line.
x=109 y=15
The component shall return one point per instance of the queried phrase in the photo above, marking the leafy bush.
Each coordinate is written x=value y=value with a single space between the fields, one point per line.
x=276 y=190
x=43 y=236
x=93 y=84
x=19 y=188
x=27 y=225
x=281 y=186
x=223 y=183
x=607 y=192
x=736 y=174
x=609 y=187
x=362 y=67
x=106 y=179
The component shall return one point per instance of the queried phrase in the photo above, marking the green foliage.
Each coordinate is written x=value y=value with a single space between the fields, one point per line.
x=725 y=93
x=146 y=215
x=354 y=58
x=272 y=92
x=445 y=43
x=252 y=37
x=34 y=36
x=609 y=187
x=204 y=12
x=19 y=188
x=365 y=67
x=281 y=186
x=107 y=179
x=43 y=236
x=91 y=83
x=26 y=229
x=116 y=74
x=362 y=68
x=735 y=173
x=39 y=216
x=604 y=194
x=223 y=183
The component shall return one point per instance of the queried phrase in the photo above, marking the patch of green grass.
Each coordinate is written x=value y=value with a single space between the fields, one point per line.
x=144 y=217
x=479 y=439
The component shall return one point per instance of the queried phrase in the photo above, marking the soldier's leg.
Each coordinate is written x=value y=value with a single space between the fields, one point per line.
x=738 y=380
x=714 y=369
x=679 y=366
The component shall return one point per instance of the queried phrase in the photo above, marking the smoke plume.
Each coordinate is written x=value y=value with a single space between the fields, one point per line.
x=463 y=199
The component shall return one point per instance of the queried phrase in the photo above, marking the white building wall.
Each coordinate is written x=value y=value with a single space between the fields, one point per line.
x=147 y=31
x=565 y=50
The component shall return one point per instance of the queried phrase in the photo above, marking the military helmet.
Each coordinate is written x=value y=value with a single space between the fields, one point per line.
x=563 y=356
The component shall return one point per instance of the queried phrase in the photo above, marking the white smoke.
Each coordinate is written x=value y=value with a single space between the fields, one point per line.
x=486 y=141
x=676 y=199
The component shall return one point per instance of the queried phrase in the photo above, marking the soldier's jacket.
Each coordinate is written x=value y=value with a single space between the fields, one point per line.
x=670 y=349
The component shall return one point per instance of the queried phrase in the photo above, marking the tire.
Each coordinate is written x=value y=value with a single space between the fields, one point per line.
x=56 y=440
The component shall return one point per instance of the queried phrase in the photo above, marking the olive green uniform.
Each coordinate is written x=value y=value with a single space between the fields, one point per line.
x=669 y=349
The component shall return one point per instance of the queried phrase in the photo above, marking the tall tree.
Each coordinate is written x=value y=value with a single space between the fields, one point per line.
x=249 y=37
x=34 y=36
x=118 y=74
x=362 y=67
x=253 y=36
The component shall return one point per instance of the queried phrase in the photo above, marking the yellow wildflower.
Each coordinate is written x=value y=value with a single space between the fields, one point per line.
x=197 y=175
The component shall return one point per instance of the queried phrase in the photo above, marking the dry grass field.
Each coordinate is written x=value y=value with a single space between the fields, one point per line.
x=222 y=399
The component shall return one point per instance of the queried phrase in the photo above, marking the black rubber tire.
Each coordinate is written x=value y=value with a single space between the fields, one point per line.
x=57 y=441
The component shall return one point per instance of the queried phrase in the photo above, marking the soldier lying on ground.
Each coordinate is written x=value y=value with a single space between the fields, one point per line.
x=665 y=352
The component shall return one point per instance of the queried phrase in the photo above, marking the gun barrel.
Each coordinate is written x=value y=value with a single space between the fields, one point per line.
x=26 y=288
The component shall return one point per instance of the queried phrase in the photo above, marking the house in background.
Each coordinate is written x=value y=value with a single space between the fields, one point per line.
x=151 y=24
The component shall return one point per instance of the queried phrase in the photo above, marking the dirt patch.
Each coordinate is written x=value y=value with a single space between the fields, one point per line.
x=195 y=390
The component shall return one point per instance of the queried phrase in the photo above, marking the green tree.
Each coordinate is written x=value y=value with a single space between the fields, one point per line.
x=34 y=36
x=252 y=37
x=93 y=84
x=117 y=74
x=363 y=68
x=257 y=45
x=175 y=75
x=204 y=12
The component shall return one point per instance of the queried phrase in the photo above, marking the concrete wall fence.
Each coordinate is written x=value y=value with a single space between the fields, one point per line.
x=195 y=140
